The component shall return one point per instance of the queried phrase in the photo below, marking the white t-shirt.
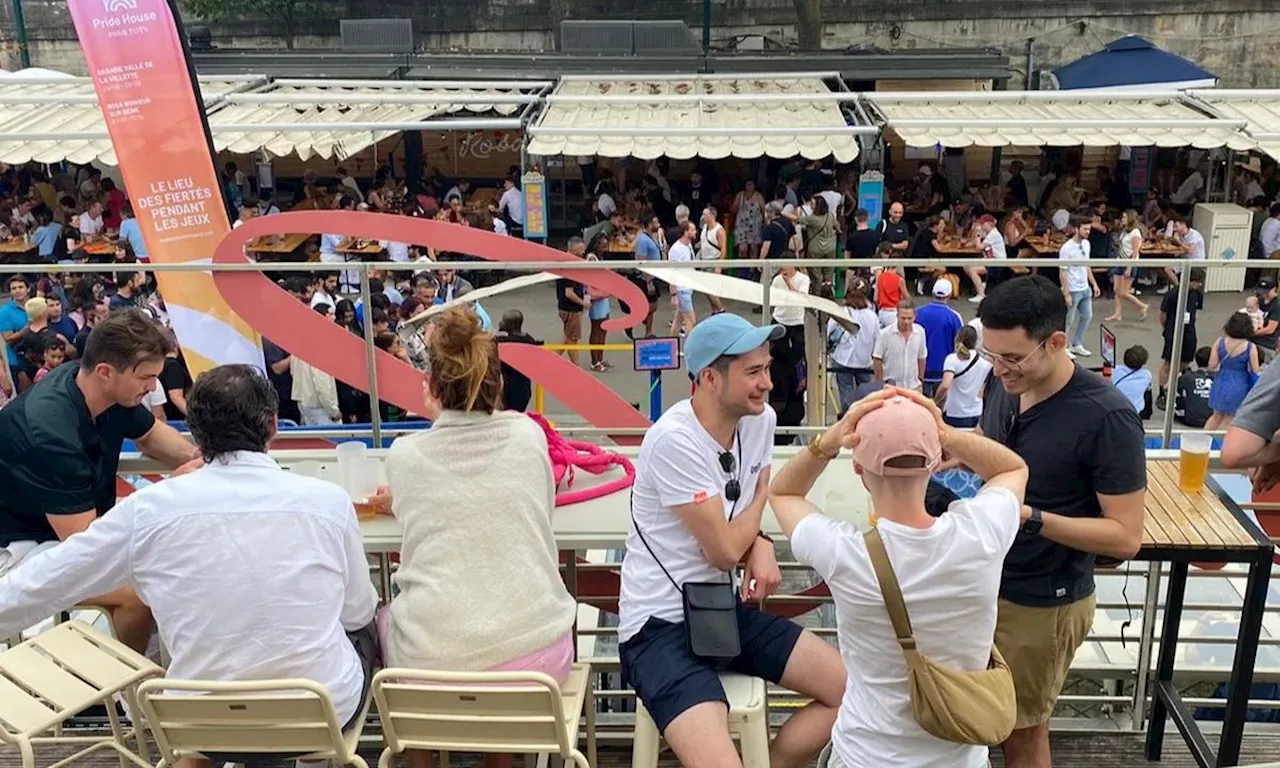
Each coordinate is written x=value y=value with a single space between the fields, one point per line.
x=156 y=398
x=1188 y=189
x=605 y=205
x=950 y=579
x=790 y=315
x=993 y=245
x=964 y=398
x=321 y=297
x=1078 y=275
x=854 y=350
x=512 y=202
x=680 y=252
x=834 y=200
x=1127 y=241
x=1196 y=241
x=500 y=227
x=90 y=225
x=395 y=251
x=679 y=464
x=1061 y=218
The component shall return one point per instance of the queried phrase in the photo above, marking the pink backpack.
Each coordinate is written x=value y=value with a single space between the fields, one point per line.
x=570 y=455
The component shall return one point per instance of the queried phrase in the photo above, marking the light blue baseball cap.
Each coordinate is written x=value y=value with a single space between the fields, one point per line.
x=724 y=334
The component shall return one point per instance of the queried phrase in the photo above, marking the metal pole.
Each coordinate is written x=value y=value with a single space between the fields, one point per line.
x=1029 y=83
x=706 y=26
x=1146 y=640
x=1175 y=363
x=375 y=415
x=20 y=23
x=766 y=277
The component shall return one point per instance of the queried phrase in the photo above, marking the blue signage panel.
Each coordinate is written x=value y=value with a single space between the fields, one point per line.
x=660 y=354
x=871 y=196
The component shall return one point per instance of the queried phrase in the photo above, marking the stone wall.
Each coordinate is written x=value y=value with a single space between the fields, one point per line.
x=1239 y=40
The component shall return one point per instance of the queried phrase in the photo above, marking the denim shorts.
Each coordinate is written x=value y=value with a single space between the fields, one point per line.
x=670 y=680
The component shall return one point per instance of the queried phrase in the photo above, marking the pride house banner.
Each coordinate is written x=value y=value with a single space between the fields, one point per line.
x=135 y=56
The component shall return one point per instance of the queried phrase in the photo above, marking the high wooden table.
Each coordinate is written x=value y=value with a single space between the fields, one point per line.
x=16 y=245
x=1207 y=527
x=281 y=247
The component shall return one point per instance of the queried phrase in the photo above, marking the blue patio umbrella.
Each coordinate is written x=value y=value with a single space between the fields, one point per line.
x=1132 y=63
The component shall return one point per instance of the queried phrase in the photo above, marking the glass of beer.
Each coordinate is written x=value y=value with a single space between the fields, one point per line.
x=1193 y=461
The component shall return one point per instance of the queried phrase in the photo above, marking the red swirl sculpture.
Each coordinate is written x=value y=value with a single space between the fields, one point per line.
x=295 y=327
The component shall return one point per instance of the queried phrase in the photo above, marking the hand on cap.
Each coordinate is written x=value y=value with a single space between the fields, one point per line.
x=919 y=399
x=843 y=434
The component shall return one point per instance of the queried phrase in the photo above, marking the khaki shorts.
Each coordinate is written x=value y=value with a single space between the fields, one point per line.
x=572 y=322
x=1038 y=644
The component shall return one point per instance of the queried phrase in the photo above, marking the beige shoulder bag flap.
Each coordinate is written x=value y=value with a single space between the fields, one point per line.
x=965 y=707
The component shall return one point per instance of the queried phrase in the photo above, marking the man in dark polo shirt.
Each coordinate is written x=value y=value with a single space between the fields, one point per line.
x=1265 y=337
x=60 y=447
x=1084 y=445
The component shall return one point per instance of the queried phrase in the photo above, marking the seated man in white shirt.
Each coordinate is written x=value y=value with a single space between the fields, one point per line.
x=205 y=552
x=948 y=568
x=699 y=495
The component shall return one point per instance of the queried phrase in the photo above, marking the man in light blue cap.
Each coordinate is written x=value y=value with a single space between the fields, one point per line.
x=701 y=484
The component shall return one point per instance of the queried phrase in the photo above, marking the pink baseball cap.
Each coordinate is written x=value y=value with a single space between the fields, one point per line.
x=898 y=429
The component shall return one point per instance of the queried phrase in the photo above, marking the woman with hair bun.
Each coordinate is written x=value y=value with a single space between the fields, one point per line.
x=479 y=580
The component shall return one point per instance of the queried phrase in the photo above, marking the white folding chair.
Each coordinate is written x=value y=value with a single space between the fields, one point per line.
x=487 y=712
x=193 y=718
x=56 y=674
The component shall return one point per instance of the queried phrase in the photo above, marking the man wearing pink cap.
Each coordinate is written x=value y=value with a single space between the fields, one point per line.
x=947 y=567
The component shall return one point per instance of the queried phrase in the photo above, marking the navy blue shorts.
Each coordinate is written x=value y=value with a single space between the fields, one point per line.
x=669 y=680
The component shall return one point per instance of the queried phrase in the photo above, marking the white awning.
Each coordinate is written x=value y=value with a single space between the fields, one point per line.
x=708 y=116
x=58 y=118
x=340 y=118
x=1054 y=118
x=66 y=109
x=1260 y=109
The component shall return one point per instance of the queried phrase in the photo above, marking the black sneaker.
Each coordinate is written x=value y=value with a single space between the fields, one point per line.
x=1162 y=401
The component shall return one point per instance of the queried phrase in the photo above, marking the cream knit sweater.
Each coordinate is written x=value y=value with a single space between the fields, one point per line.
x=479 y=574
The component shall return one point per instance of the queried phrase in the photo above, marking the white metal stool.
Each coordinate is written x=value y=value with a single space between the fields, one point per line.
x=748 y=723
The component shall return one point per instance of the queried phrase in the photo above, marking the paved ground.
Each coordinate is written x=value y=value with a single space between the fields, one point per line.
x=541 y=320
x=1070 y=750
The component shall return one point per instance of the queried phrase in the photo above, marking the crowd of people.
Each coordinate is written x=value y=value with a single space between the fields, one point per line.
x=195 y=557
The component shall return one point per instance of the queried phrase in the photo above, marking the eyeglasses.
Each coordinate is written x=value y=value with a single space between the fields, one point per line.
x=732 y=489
x=1011 y=363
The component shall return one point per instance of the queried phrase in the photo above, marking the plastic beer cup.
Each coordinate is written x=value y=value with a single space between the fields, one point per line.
x=1193 y=461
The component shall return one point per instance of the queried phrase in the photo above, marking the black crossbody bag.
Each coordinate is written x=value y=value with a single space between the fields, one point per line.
x=710 y=608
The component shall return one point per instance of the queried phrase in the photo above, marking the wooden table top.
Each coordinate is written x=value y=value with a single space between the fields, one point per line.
x=1176 y=520
x=957 y=248
x=372 y=249
x=99 y=248
x=287 y=244
x=16 y=245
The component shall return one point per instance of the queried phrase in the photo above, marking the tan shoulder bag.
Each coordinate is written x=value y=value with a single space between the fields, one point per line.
x=959 y=706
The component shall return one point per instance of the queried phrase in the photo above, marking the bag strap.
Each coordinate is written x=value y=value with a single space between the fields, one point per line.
x=890 y=590
x=968 y=367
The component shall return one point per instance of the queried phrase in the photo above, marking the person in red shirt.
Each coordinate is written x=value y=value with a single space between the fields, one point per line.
x=113 y=200
x=890 y=288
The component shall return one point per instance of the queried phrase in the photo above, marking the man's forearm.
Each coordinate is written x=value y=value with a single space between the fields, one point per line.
x=745 y=525
x=984 y=456
x=1097 y=535
x=164 y=444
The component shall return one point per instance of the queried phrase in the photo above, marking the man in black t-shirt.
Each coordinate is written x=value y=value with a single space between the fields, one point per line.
x=1084 y=446
x=1191 y=402
x=60 y=448
x=571 y=302
x=1168 y=312
x=895 y=232
x=777 y=232
x=862 y=241
x=1266 y=336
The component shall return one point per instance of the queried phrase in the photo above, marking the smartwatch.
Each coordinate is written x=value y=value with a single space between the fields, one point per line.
x=1034 y=523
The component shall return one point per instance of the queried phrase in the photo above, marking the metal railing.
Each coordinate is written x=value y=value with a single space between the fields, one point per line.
x=1150 y=605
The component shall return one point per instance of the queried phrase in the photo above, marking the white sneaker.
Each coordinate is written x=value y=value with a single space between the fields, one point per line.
x=1071 y=354
x=1081 y=351
x=976 y=299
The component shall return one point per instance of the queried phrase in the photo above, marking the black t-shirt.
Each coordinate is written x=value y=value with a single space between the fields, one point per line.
x=923 y=247
x=1191 y=406
x=862 y=243
x=1083 y=441
x=173 y=376
x=517 y=390
x=1018 y=191
x=777 y=234
x=1270 y=313
x=30 y=346
x=283 y=382
x=1169 y=306
x=562 y=302
x=57 y=460
x=894 y=233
